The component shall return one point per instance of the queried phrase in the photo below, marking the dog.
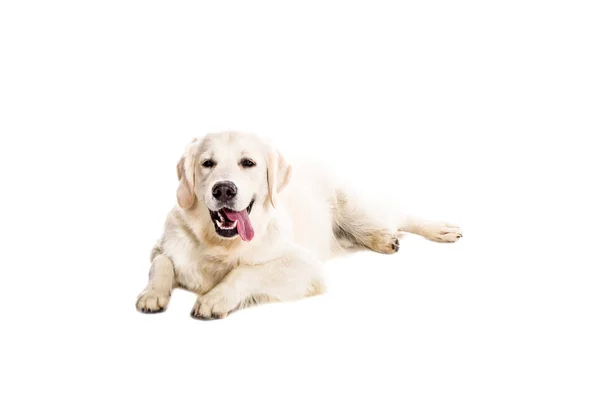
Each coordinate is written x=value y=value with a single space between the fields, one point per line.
x=245 y=232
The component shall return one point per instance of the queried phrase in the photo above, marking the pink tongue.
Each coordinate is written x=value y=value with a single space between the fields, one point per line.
x=244 y=227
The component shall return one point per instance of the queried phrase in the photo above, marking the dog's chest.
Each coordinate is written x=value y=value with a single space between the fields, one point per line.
x=211 y=268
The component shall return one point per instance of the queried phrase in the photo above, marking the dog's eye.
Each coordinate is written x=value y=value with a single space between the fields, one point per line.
x=247 y=163
x=208 y=164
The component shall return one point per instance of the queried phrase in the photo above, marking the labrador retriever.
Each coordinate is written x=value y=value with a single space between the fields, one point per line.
x=244 y=232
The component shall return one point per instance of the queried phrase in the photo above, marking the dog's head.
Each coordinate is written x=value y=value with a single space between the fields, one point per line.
x=231 y=174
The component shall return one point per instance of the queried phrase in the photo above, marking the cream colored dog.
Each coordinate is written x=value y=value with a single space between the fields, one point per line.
x=246 y=232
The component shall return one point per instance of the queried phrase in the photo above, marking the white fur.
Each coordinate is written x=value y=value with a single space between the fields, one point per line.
x=300 y=219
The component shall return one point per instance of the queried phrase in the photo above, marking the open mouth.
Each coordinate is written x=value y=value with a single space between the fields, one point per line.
x=229 y=223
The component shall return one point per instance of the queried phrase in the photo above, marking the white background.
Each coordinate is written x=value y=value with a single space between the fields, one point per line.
x=479 y=113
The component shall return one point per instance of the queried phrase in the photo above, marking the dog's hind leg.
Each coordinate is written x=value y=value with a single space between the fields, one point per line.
x=355 y=227
x=433 y=230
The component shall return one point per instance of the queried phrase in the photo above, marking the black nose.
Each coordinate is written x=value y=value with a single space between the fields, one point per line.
x=224 y=191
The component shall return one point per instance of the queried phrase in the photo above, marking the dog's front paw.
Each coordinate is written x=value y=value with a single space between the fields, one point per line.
x=216 y=304
x=442 y=232
x=152 y=301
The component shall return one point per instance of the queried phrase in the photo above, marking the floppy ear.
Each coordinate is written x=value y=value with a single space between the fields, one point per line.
x=186 y=173
x=278 y=175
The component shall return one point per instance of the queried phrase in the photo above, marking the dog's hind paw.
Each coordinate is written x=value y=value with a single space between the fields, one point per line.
x=442 y=232
x=384 y=241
